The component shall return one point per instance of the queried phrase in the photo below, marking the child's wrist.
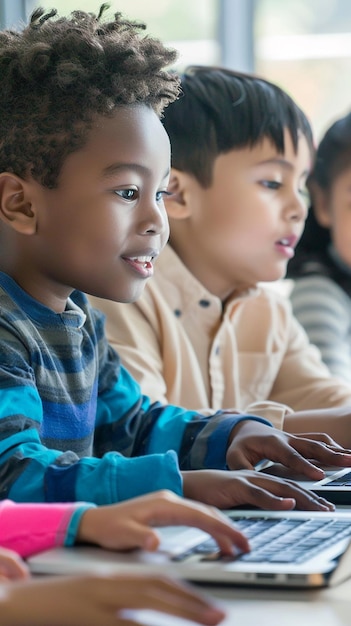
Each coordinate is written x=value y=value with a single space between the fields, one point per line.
x=88 y=528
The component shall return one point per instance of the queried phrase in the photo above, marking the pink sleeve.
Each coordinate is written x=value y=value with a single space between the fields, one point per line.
x=31 y=528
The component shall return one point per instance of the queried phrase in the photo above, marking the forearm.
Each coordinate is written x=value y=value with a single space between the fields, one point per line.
x=335 y=422
x=148 y=429
x=13 y=608
x=37 y=474
x=31 y=528
x=38 y=603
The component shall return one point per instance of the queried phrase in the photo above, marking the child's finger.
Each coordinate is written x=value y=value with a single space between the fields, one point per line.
x=12 y=566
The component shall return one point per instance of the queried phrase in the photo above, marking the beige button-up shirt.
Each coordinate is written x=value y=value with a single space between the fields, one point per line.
x=251 y=356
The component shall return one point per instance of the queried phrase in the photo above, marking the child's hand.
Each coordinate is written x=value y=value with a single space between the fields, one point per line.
x=128 y=524
x=251 y=442
x=11 y=566
x=324 y=438
x=95 y=600
x=227 y=489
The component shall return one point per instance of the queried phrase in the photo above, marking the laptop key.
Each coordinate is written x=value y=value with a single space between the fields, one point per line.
x=278 y=541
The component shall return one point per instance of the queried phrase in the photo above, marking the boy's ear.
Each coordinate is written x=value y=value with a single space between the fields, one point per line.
x=321 y=208
x=15 y=204
x=176 y=205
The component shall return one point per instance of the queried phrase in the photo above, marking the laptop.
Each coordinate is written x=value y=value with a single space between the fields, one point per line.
x=296 y=549
x=335 y=486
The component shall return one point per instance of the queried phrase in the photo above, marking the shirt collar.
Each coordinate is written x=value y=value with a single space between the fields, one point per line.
x=187 y=292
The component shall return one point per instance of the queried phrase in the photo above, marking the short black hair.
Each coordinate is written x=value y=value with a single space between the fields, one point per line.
x=58 y=73
x=332 y=157
x=222 y=110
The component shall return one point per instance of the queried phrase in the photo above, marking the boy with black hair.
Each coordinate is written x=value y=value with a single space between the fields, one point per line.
x=205 y=334
x=84 y=167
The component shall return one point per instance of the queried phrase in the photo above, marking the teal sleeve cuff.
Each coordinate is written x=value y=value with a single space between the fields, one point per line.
x=148 y=473
x=72 y=528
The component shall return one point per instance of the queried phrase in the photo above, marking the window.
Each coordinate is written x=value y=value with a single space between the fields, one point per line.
x=189 y=26
x=305 y=47
x=302 y=45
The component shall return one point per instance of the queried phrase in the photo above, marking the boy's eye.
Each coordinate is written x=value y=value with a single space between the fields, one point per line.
x=160 y=195
x=271 y=184
x=127 y=194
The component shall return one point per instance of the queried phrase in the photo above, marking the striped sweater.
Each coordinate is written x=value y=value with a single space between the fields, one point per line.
x=74 y=425
x=321 y=301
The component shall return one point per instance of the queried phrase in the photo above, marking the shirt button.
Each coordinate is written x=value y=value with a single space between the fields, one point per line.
x=177 y=312
x=204 y=303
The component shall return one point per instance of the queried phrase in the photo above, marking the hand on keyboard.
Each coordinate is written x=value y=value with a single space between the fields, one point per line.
x=227 y=489
x=251 y=442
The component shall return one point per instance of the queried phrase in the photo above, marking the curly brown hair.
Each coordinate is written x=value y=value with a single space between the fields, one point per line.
x=58 y=73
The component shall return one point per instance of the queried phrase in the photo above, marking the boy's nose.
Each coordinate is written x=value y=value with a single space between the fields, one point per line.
x=154 y=220
x=297 y=208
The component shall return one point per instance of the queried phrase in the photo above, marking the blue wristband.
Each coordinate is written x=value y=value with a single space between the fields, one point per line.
x=72 y=528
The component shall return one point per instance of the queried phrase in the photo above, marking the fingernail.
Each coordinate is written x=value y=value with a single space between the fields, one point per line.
x=213 y=614
x=150 y=543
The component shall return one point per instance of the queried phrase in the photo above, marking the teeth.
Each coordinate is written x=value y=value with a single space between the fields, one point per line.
x=142 y=259
x=284 y=242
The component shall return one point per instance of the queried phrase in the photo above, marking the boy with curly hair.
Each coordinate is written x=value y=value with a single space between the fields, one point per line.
x=84 y=167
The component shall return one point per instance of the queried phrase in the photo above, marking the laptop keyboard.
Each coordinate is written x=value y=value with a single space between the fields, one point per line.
x=279 y=540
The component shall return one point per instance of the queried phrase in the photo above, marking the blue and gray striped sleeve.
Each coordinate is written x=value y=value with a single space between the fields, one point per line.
x=199 y=441
x=324 y=311
x=74 y=424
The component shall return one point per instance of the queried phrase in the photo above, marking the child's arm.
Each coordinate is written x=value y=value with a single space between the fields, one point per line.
x=34 y=469
x=250 y=441
x=230 y=489
x=49 y=437
x=334 y=421
x=131 y=524
x=71 y=418
x=29 y=528
x=218 y=441
x=93 y=600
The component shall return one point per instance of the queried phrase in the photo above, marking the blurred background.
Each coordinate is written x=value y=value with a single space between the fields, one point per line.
x=302 y=45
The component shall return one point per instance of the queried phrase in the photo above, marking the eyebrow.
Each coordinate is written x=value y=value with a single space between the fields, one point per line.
x=276 y=161
x=115 y=168
x=283 y=162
